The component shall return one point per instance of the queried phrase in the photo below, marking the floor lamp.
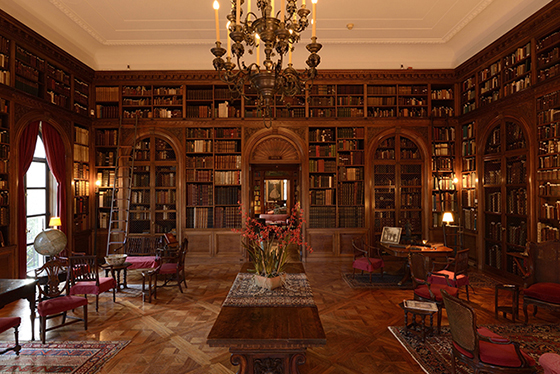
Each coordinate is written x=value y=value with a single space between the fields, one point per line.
x=447 y=221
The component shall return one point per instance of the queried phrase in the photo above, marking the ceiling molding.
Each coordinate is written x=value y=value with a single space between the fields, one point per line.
x=78 y=21
x=466 y=20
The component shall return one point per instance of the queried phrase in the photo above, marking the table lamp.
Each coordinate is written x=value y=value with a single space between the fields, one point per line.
x=446 y=220
x=55 y=222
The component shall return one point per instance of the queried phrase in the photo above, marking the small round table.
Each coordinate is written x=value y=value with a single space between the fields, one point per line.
x=116 y=273
x=418 y=327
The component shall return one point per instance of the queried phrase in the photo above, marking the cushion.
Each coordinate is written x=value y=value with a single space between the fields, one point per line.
x=168 y=268
x=9 y=322
x=549 y=292
x=60 y=304
x=424 y=292
x=497 y=354
x=91 y=288
x=550 y=363
x=141 y=262
x=462 y=279
x=362 y=263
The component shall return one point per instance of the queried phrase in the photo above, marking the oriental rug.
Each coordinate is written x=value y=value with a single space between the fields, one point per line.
x=387 y=281
x=295 y=292
x=69 y=357
x=434 y=356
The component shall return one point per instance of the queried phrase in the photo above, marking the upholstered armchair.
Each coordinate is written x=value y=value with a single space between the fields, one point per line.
x=542 y=278
x=84 y=279
x=7 y=323
x=366 y=258
x=454 y=273
x=479 y=348
x=54 y=299
x=423 y=289
x=172 y=265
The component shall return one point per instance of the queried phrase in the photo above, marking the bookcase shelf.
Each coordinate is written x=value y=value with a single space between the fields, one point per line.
x=4 y=60
x=469 y=178
x=442 y=100
x=5 y=165
x=81 y=178
x=505 y=196
x=468 y=95
x=548 y=171
x=444 y=185
x=213 y=176
x=105 y=158
x=399 y=164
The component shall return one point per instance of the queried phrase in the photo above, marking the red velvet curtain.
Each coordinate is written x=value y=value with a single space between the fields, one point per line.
x=25 y=152
x=56 y=158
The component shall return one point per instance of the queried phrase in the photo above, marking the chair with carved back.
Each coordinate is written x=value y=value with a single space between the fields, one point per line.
x=366 y=258
x=542 y=277
x=54 y=299
x=454 y=272
x=7 y=323
x=479 y=348
x=172 y=265
x=84 y=279
x=424 y=290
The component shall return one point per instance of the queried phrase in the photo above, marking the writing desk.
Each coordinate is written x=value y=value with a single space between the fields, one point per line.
x=15 y=289
x=403 y=251
x=268 y=339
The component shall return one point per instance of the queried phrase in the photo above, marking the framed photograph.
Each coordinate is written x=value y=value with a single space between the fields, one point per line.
x=391 y=235
x=274 y=190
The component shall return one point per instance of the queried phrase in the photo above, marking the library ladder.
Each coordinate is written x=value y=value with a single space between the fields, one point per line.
x=122 y=189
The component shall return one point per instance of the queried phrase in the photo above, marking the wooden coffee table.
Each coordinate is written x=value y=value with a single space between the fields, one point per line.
x=418 y=327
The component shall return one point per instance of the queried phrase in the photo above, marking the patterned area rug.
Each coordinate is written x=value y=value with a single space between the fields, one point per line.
x=435 y=355
x=482 y=280
x=295 y=292
x=59 y=357
x=387 y=281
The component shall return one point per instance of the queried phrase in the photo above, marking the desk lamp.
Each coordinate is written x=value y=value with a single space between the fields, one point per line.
x=446 y=220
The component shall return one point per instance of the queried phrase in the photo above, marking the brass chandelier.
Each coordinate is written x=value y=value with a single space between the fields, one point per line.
x=278 y=32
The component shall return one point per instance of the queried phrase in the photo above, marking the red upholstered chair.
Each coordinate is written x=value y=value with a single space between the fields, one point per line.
x=455 y=272
x=84 y=279
x=366 y=258
x=542 y=278
x=172 y=265
x=7 y=323
x=54 y=300
x=479 y=348
x=424 y=290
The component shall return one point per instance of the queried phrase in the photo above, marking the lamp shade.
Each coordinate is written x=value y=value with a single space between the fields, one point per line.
x=55 y=221
x=447 y=217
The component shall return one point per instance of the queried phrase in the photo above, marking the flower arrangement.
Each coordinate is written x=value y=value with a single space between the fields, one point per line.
x=267 y=244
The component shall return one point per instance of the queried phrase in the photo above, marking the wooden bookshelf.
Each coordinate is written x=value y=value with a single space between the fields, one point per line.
x=81 y=178
x=548 y=171
x=469 y=178
x=444 y=182
x=4 y=60
x=30 y=73
x=58 y=86
x=517 y=70
x=5 y=166
x=105 y=162
x=81 y=97
x=351 y=161
x=506 y=217
x=107 y=102
x=350 y=100
x=442 y=100
x=468 y=94
x=490 y=83
x=548 y=56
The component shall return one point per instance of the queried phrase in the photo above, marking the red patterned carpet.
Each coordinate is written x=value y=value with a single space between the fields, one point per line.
x=59 y=357
x=435 y=355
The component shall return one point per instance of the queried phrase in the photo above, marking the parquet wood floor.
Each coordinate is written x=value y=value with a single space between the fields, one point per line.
x=169 y=335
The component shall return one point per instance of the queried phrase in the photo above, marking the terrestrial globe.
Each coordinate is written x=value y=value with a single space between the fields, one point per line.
x=50 y=242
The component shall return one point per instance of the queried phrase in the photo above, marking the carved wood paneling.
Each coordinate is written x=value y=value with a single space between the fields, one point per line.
x=274 y=149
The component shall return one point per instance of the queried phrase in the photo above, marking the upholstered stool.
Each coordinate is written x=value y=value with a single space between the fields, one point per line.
x=7 y=323
x=550 y=363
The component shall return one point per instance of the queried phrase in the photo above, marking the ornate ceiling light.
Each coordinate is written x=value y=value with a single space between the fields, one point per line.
x=278 y=32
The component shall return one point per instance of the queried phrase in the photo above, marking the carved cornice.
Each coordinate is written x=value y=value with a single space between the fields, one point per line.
x=191 y=76
x=28 y=38
x=544 y=19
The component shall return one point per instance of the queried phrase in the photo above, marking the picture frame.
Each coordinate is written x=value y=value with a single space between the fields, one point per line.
x=274 y=190
x=391 y=235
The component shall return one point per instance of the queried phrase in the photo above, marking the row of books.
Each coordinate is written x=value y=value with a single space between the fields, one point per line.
x=228 y=177
x=227 y=195
x=351 y=217
x=322 y=217
x=81 y=188
x=81 y=205
x=546 y=232
x=199 y=194
x=516 y=201
x=351 y=193
x=200 y=162
x=166 y=197
x=322 y=166
x=199 y=175
x=227 y=217
x=322 y=197
x=550 y=211
x=200 y=218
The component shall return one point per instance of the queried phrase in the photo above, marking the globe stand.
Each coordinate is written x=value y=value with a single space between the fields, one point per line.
x=50 y=242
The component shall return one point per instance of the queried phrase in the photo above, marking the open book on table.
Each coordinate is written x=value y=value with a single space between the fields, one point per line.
x=420 y=305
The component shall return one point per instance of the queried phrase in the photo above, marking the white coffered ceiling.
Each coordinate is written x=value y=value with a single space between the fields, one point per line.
x=178 y=34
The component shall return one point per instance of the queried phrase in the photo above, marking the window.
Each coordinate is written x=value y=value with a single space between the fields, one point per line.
x=39 y=191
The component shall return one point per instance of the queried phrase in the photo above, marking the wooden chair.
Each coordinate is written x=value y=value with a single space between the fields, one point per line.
x=149 y=283
x=542 y=278
x=84 y=279
x=52 y=302
x=479 y=348
x=454 y=272
x=424 y=290
x=7 y=323
x=172 y=265
x=366 y=258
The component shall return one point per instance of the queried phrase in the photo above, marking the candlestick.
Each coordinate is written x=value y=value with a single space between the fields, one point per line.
x=248 y=7
x=303 y=3
x=228 y=41
x=216 y=7
x=282 y=7
x=272 y=5
x=258 y=47
x=237 y=11
x=314 y=20
x=290 y=53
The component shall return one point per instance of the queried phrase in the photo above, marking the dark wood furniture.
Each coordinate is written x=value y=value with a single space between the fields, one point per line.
x=418 y=327
x=268 y=339
x=542 y=277
x=7 y=323
x=172 y=265
x=14 y=289
x=479 y=348
x=116 y=271
x=366 y=258
x=512 y=309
